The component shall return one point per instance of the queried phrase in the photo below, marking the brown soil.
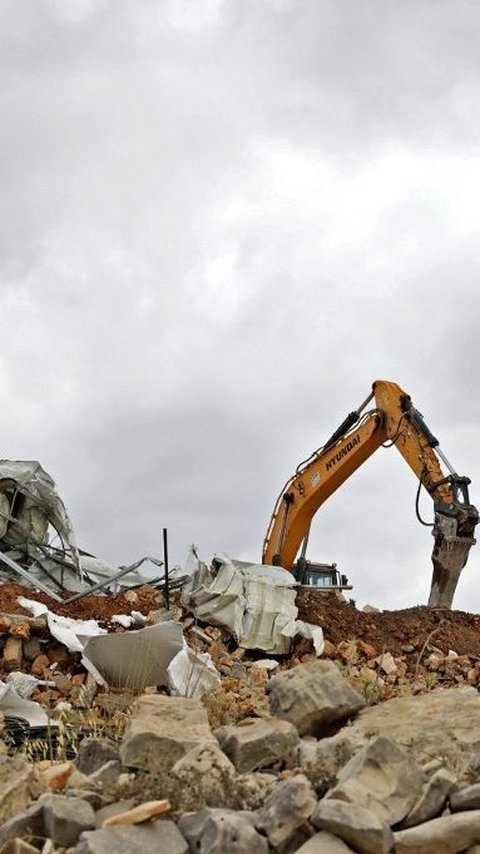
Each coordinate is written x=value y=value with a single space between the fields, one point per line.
x=391 y=631
x=100 y=608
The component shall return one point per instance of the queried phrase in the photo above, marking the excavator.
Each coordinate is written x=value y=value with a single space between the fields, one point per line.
x=392 y=420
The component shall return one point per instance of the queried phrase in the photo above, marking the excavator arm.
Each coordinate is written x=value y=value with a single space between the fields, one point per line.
x=393 y=420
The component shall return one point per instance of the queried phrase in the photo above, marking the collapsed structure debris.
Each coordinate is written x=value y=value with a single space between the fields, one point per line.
x=135 y=720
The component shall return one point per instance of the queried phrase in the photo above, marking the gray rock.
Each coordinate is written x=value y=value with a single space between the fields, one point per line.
x=93 y=753
x=113 y=809
x=204 y=777
x=287 y=808
x=432 y=800
x=253 y=789
x=448 y=834
x=107 y=774
x=152 y=838
x=216 y=831
x=259 y=743
x=18 y=846
x=325 y=843
x=466 y=799
x=314 y=697
x=65 y=818
x=162 y=730
x=383 y=778
x=329 y=755
x=27 y=824
x=59 y=817
x=444 y=722
x=15 y=786
x=355 y=825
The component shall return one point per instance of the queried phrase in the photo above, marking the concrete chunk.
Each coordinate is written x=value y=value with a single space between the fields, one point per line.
x=162 y=730
x=259 y=743
x=314 y=697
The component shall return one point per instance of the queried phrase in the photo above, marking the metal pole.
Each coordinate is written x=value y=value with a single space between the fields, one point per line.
x=165 y=561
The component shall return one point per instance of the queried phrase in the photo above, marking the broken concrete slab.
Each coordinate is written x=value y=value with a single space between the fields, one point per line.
x=383 y=778
x=216 y=831
x=259 y=743
x=314 y=697
x=151 y=838
x=162 y=730
x=287 y=808
x=355 y=825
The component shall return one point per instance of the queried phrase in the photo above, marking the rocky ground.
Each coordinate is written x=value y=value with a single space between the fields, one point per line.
x=373 y=747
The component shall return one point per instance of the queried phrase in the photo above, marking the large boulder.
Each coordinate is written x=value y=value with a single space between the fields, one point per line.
x=444 y=722
x=383 y=778
x=162 y=730
x=259 y=743
x=314 y=697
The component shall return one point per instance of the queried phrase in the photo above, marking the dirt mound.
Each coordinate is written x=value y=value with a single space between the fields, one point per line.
x=392 y=631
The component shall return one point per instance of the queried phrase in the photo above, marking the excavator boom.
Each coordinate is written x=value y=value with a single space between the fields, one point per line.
x=395 y=420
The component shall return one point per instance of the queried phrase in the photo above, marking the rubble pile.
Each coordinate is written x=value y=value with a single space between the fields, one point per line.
x=238 y=711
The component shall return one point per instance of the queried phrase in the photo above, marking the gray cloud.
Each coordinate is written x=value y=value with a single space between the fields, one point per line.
x=220 y=223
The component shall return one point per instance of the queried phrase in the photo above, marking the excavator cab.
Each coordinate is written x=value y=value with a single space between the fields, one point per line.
x=322 y=576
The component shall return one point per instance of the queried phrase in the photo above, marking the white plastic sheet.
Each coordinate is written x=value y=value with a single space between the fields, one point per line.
x=192 y=674
x=255 y=602
x=72 y=633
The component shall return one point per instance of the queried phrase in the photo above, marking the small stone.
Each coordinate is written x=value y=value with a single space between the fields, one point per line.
x=18 y=846
x=16 y=777
x=205 y=777
x=93 y=753
x=138 y=814
x=386 y=663
x=13 y=654
x=449 y=834
x=55 y=777
x=107 y=775
x=31 y=649
x=40 y=664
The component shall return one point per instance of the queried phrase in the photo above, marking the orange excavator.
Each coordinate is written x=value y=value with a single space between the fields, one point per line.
x=393 y=420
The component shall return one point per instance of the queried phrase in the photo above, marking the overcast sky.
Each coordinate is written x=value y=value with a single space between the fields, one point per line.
x=221 y=221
